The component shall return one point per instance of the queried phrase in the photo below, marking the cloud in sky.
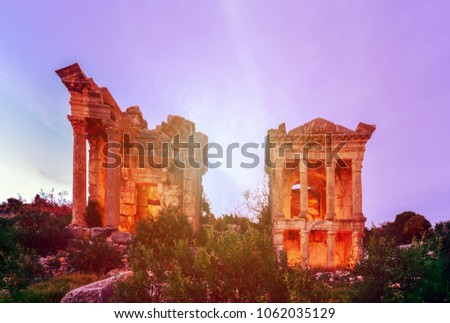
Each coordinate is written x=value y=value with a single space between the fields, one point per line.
x=238 y=68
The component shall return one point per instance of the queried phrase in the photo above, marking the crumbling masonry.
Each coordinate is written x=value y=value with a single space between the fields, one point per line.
x=315 y=202
x=316 y=208
x=127 y=192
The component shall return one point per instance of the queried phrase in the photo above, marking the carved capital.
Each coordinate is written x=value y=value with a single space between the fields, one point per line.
x=78 y=125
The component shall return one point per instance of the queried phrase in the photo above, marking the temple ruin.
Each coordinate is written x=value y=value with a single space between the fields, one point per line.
x=315 y=198
x=134 y=188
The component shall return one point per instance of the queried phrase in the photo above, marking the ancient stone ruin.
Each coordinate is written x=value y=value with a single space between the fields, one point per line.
x=315 y=192
x=131 y=172
x=128 y=173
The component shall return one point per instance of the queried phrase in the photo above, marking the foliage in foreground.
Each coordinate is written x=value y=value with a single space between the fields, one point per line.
x=18 y=265
x=172 y=264
x=391 y=274
x=42 y=231
x=54 y=289
x=92 y=256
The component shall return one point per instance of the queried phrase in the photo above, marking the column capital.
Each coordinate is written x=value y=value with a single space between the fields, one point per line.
x=331 y=233
x=78 y=125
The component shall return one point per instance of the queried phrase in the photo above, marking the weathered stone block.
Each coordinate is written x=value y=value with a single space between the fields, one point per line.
x=121 y=237
x=97 y=292
x=100 y=232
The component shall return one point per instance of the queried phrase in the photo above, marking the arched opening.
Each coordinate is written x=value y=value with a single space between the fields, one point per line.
x=316 y=195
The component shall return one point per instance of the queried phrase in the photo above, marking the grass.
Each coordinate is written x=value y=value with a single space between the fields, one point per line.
x=54 y=289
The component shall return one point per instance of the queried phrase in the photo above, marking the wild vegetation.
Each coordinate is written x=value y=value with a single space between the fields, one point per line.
x=231 y=259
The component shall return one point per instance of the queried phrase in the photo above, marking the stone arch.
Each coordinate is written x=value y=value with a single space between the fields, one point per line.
x=316 y=194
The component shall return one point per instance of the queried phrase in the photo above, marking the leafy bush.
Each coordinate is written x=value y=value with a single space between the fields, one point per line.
x=392 y=274
x=442 y=234
x=228 y=221
x=163 y=232
x=303 y=286
x=12 y=205
x=152 y=249
x=42 y=231
x=94 y=214
x=92 y=256
x=18 y=265
x=170 y=266
x=406 y=227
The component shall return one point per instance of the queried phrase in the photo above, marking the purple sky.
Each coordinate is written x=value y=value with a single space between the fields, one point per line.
x=238 y=68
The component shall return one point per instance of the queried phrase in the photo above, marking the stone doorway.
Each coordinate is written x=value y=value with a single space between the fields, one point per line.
x=292 y=246
x=148 y=201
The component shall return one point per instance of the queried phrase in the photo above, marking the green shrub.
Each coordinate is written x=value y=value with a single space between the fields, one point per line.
x=163 y=232
x=152 y=250
x=54 y=289
x=42 y=231
x=92 y=256
x=304 y=287
x=406 y=227
x=228 y=221
x=170 y=266
x=18 y=265
x=17 y=270
x=392 y=274
x=241 y=267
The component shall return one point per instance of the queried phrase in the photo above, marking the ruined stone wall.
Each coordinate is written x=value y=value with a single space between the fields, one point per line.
x=315 y=205
x=146 y=179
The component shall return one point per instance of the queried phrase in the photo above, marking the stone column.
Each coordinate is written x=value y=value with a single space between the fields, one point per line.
x=277 y=190
x=113 y=181
x=278 y=239
x=79 y=171
x=304 y=247
x=303 y=189
x=357 y=189
x=96 y=178
x=331 y=244
x=191 y=192
x=357 y=245
x=331 y=213
x=94 y=168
